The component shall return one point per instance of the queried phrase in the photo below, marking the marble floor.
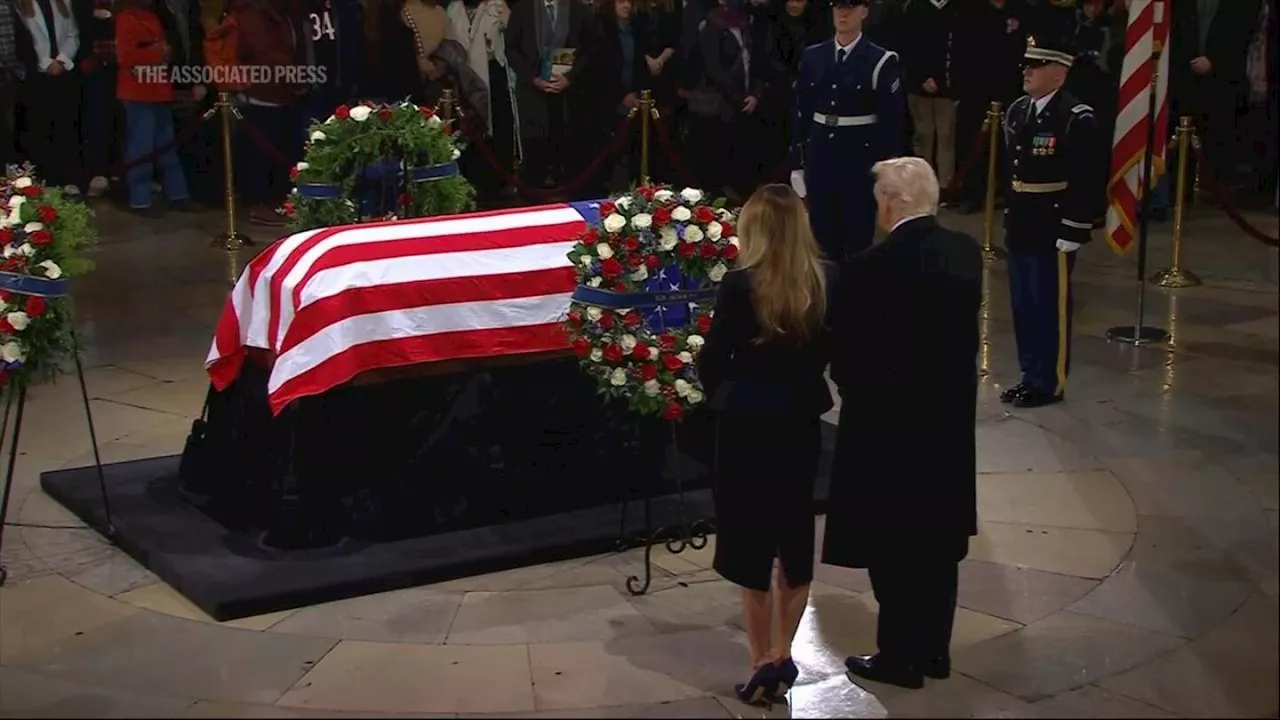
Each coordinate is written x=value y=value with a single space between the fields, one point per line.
x=1126 y=566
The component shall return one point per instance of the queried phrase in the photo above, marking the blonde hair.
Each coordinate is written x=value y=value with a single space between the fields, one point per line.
x=908 y=185
x=789 y=286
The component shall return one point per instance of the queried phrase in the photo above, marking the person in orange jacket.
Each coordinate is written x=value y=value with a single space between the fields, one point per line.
x=144 y=88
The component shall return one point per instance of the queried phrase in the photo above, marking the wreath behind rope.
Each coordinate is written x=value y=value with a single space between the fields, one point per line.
x=374 y=162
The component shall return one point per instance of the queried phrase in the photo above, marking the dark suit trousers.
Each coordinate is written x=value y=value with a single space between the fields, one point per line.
x=917 y=601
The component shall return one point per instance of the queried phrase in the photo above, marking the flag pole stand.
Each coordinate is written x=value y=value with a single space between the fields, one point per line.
x=1138 y=334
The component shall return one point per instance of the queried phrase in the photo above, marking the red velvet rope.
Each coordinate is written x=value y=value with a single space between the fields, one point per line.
x=180 y=138
x=1228 y=203
x=620 y=137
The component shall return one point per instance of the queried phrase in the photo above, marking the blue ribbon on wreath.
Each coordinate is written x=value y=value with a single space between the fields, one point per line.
x=31 y=285
x=378 y=186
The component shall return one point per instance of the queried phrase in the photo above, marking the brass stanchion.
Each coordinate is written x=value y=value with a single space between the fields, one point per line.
x=648 y=113
x=232 y=239
x=993 y=124
x=984 y=326
x=1176 y=276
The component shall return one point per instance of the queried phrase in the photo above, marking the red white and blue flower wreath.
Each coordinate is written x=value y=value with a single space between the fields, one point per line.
x=647 y=276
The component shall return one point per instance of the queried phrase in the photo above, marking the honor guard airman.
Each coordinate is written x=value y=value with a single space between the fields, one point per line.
x=848 y=114
x=1052 y=143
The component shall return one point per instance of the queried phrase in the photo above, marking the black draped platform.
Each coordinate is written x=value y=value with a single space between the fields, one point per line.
x=377 y=487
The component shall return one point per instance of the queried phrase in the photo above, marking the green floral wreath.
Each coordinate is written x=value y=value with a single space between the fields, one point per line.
x=42 y=234
x=653 y=259
x=331 y=179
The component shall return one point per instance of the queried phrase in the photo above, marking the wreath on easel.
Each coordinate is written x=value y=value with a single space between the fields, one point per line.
x=43 y=234
x=647 y=277
x=378 y=162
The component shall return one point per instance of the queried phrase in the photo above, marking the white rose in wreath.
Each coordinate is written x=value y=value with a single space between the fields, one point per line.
x=10 y=250
x=19 y=320
x=695 y=342
x=714 y=231
x=604 y=251
x=628 y=342
x=623 y=202
x=663 y=195
x=651 y=388
x=32 y=227
x=614 y=223
x=717 y=272
x=586 y=260
x=683 y=387
x=456 y=154
x=360 y=113
x=17 y=200
x=690 y=195
x=641 y=221
x=27 y=249
x=695 y=397
x=317 y=136
x=22 y=182
x=596 y=354
x=685 y=358
x=618 y=378
x=594 y=313
x=12 y=352
x=692 y=234
x=595 y=282
x=734 y=241
x=641 y=274
x=302 y=166
x=667 y=238
x=681 y=214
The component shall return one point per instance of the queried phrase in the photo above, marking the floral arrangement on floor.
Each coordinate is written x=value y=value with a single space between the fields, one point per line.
x=43 y=234
x=647 y=273
x=352 y=170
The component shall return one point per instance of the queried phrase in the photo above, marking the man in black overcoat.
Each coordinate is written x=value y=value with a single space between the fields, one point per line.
x=902 y=501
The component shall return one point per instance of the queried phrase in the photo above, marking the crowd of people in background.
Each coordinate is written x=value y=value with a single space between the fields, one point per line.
x=720 y=71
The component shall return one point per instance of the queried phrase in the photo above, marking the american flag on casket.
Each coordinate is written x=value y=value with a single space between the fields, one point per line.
x=332 y=303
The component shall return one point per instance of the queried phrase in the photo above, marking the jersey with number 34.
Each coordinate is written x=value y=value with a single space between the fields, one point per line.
x=322 y=24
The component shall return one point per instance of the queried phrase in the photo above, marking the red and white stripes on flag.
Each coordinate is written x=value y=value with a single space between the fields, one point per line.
x=1146 y=36
x=332 y=303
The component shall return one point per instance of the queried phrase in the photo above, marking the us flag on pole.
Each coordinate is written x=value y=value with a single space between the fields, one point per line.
x=332 y=303
x=1146 y=36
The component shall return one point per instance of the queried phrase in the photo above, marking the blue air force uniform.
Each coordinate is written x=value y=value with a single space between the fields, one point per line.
x=1051 y=146
x=848 y=114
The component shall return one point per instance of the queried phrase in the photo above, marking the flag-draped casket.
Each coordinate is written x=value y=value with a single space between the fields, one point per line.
x=327 y=305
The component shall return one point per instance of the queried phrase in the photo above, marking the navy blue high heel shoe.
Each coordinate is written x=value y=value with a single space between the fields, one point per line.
x=784 y=678
x=757 y=690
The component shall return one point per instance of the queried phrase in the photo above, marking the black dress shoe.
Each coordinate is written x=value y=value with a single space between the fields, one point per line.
x=874 y=667
x=1011 y=393
x=1033 y=398
x=938 y=668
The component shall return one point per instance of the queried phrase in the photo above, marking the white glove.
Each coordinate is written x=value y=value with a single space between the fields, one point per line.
x=797 y=182
x=1066 y=246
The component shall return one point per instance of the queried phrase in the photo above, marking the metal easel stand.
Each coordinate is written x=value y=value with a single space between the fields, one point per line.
x=676 y=538
x=21 y=402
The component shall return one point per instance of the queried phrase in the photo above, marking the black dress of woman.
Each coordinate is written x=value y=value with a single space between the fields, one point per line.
x=767 y=398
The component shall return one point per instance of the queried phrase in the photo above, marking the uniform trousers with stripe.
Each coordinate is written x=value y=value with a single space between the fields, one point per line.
x=1040 y=288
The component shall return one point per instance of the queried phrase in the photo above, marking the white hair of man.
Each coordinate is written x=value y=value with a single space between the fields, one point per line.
x=907 y=185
